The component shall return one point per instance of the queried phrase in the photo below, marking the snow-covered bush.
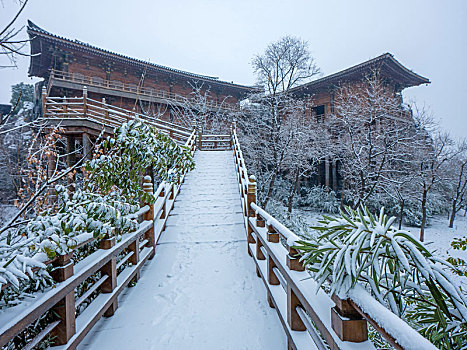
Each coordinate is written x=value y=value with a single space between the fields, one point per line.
x=105 y=206
x=459 y=264
x=359 y=248
x=319 y=198
x=136 y=147
x=294 y=222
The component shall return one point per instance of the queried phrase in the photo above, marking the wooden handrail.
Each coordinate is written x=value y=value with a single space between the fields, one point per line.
x=132 y=88
x=105 y=114
x=300 y=304
x=141 y=247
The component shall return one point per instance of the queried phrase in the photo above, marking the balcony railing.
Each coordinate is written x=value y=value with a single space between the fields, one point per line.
x=147 y=92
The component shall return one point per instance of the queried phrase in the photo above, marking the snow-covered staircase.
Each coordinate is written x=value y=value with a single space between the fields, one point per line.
x=201 y=290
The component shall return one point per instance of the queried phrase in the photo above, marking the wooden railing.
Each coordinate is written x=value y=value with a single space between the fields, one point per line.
x=132 y=252
x=84 y=108
x=214 y=142
x=150 y=93
x=311 y=318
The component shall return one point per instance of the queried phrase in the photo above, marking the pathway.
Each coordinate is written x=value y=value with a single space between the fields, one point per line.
x=201 y=290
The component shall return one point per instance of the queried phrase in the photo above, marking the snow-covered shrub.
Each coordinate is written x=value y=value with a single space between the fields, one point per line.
x=294 y=222
x=359 y=248
x=105 y=206
x=459 y=264
x=319 y=198
x=135 y=148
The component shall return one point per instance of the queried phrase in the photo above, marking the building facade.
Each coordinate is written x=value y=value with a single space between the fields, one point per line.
x=68 y=65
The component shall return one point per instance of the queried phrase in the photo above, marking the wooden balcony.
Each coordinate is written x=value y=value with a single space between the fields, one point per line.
x=117 y=88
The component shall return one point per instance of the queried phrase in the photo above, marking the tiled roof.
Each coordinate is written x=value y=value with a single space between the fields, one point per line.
x=388 y=59
x=34 y=29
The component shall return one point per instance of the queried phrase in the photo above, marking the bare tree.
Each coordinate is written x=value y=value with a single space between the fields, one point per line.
x=458 y=167
x=202 y=109
x=431 y=159
x=10 y=45
x=374 y=134
x=284 y=64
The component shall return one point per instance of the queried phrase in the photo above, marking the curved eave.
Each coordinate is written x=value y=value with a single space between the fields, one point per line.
x=38 y=35
x=386 y=63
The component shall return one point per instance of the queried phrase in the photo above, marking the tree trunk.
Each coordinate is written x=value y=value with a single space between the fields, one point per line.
x=292 y=192
x=401 y=213
x=453 y=214
x=270 y=189
x=422 y=227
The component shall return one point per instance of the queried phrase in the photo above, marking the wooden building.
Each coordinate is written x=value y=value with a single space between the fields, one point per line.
x=321 y=93
x=69 y=65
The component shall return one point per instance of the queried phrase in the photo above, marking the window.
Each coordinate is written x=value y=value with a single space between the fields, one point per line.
x=318 y=113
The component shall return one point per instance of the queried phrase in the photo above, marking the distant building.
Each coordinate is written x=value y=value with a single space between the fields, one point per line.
x=321 y=93
x=69 y=65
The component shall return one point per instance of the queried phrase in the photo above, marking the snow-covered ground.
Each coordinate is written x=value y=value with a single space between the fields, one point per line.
x=201 y=290
x=7 y=211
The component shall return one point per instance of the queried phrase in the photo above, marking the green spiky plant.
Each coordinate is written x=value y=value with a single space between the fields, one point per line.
x=359 y=247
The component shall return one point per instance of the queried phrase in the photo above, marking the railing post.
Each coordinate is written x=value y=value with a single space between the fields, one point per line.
x=259 y=253
x=149 y=235
x=250 y=198
x=293 y=260
x=110 y=270
x=293 y=318
x=85 y=103
x=106 y=112
x=347 y=322
x=65 y=308
x=65 y=106
x=44 y=101
x=200 y=137
x=272 y=236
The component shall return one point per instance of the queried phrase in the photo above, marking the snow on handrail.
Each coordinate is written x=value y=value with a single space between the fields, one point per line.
x=310 y=304
x=380 y=316
x=280 y=228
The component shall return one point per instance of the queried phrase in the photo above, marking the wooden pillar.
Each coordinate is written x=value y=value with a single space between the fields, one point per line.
x=85 y=101
x=293 y=318
x=334 y=175
x=110 y=270
x=70 y=160
x=327 y=172
x=87 y=152
x=149 y=235
x=347 y=322
x=65 y=308
x=106 y=112
x=51 y=165
x=44 y=102
x=250 y=198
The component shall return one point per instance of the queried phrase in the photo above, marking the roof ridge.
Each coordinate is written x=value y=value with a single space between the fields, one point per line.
x=35 y=28
x=371 y=61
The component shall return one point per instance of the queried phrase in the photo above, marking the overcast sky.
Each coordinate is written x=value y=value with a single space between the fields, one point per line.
x=220 y=37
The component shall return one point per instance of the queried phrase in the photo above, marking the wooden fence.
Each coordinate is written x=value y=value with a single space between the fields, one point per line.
x=134 y=248
x=64 y=109
x=311 y=318
x=148 y=93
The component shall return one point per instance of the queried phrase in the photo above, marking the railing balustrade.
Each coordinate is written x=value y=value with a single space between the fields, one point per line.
x=136 y=248
x=132 y=88
x=311 y=318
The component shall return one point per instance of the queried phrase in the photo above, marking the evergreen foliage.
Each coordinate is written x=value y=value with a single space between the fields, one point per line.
x=22 y=92
x=358 y=247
